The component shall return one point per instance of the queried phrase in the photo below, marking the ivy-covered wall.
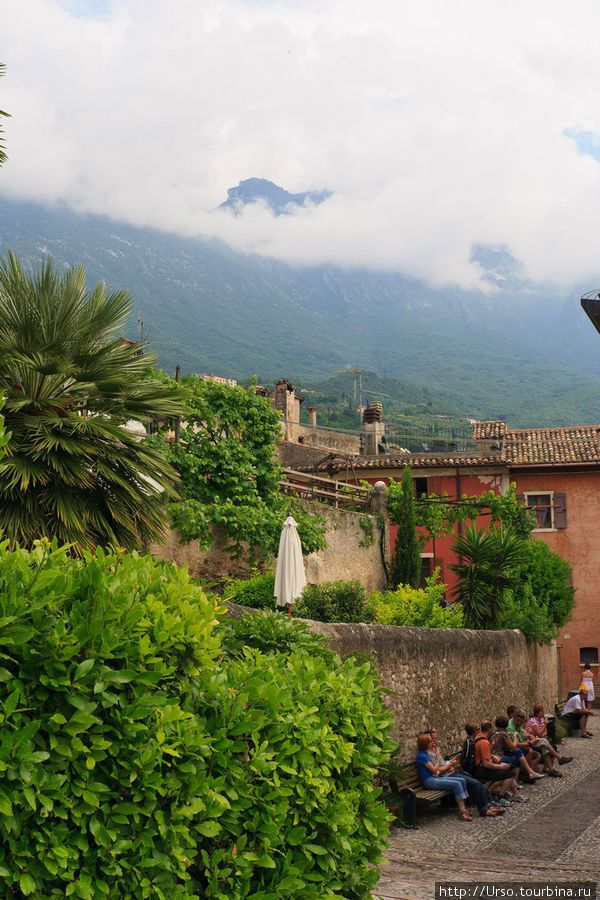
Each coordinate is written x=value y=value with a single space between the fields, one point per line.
x=353 y=552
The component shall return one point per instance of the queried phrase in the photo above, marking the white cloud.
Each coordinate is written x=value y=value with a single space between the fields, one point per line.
x=436 y=125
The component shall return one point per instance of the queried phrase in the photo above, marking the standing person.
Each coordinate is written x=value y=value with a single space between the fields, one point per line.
x=431 y=778
x=587 y=679
x=489 y=769
x=477 y=792
x=576 y=710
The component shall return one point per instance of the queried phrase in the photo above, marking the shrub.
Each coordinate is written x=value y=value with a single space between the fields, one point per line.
x=140 y=760
x=417 y=606
x=271 y=632
x=256 y=592
x=98 y=747
x=335 y=601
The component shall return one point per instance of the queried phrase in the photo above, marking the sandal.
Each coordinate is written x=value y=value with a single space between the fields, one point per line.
x=490 y=811
x=465 y=816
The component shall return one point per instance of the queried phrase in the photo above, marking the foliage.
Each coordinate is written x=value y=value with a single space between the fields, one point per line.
x=142 y=760
x=256 y=592
x=368 y=530
x=437 y=516
x=417 y=606
x=487 y=568
x=230 y=472
x=271 y=632
x=3 y=115
x=71 y=383
x=406 y=563
x=98 y=741
x=543 y=599
x=335 y=601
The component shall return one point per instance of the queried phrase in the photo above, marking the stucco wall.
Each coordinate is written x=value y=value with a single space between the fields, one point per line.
x=343 y=558
x=445 y=677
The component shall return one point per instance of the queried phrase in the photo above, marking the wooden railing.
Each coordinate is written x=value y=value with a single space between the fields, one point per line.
x=311 y=487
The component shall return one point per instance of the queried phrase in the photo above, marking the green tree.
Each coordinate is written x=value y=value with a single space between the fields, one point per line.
x=71 y=383
x=487 y=569
x=230 y=471
x=543 y=599
x=3 y=115
x=406 y=564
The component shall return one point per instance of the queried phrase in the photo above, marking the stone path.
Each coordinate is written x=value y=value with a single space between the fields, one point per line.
x=553 y=837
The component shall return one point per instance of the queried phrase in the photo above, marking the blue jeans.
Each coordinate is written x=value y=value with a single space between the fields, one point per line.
x=454 y=783
x=514 y=757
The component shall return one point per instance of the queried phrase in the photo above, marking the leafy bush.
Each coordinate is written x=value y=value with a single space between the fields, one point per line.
x=271 y=632
x=417 y=606
x=140 y=760
x=335 y=601
x=98 y=742
x=256 y=592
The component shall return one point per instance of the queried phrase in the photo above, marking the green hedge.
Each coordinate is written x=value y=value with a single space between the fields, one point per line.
x=335 y=601
x=140 y=760
x=256 y=592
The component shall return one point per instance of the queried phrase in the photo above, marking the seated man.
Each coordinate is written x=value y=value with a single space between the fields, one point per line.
x=489 y=769
x=516 y=731
x=577 y=712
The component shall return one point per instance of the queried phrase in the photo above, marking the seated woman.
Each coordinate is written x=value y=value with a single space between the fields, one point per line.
x=536 y=728
x=477 y=792
x=488 y=768
x=431 y=778
x=505 y=746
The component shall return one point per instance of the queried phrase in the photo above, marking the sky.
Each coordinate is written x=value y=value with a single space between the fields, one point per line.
x=437 y=126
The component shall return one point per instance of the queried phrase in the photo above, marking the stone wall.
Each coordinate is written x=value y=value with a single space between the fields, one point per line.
x=343 y=558
x=444 y=677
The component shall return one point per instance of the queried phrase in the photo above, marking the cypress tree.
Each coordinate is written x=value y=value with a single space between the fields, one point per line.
x=406 y=563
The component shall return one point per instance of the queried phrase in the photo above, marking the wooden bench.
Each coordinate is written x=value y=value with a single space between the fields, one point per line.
x=412 y=792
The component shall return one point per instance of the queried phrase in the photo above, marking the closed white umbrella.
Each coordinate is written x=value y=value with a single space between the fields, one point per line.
x=289 y=574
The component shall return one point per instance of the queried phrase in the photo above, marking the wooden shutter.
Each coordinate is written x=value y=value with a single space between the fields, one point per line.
x=560 y=510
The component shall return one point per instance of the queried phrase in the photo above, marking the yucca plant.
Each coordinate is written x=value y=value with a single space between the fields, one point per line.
x=71 y=383
x=487 y=568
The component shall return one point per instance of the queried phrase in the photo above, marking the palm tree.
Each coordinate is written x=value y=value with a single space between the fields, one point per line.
x=487 y=567
x=71 y=383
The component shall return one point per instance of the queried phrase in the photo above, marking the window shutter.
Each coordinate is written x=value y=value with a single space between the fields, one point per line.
x=520 y=498
x=560 y=510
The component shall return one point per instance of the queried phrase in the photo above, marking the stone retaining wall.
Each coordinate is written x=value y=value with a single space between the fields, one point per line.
x=444 y=677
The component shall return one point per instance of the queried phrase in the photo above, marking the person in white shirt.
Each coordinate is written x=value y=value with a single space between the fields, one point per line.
x=576 y=710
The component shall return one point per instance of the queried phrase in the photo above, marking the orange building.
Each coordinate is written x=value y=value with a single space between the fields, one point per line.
x=557 y=473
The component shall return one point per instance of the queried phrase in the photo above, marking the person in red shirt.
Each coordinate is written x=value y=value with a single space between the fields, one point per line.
x=488 y=768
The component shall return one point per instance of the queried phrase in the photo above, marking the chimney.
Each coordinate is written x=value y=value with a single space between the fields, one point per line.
x=312 y=417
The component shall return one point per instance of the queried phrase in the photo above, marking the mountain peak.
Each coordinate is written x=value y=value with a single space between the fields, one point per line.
x=280 y=201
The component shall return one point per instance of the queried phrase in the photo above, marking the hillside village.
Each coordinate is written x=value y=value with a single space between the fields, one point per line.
x=315 y=617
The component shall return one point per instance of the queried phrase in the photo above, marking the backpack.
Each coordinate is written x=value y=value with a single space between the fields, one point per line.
x=467 y=756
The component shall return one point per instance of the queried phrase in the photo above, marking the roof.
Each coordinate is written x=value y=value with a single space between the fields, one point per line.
x=517 y=448
x=552 y=446
x=486 y=431
x=427 y=461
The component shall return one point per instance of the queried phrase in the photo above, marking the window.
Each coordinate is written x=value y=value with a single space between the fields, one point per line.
x=420 y=486
x=426 y=570
x=550 y=508
x=588 y=656
x=543 y=508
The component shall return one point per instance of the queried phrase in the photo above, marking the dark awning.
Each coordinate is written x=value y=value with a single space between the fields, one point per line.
x=591 y=306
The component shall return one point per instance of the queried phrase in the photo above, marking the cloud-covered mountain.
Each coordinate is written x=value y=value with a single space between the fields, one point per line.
x=278 y=200
x=518 y=351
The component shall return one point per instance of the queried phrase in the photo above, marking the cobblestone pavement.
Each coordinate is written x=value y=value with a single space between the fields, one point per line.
x=553 y=837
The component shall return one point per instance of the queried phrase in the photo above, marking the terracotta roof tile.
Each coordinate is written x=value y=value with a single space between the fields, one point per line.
x=419 y=460
x=488 y=431
x=551 y=446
